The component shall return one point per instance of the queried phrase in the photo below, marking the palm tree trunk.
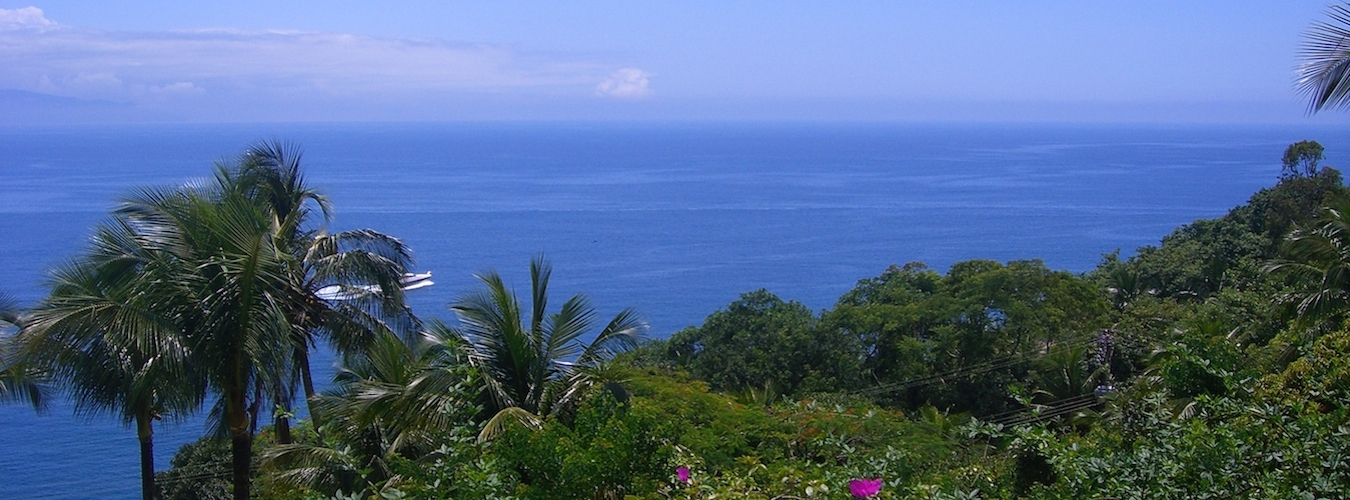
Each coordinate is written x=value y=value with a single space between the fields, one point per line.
x=241 y=442
x=307 y=379
x=282 y=425
x=145 y=432
x=255 y=408
x=281 y=421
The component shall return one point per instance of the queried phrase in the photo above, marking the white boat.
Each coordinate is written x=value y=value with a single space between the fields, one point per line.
x=410 y=278
x=409 y=281
x=417 y=284
x=345 y=292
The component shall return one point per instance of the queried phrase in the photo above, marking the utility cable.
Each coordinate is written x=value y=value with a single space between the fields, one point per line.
x=978 y=368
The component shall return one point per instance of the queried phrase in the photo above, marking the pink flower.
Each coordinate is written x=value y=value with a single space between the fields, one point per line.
x=683 y=474
x=864 y=488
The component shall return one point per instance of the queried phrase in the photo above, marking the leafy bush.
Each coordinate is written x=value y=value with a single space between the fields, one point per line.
x=609 y=451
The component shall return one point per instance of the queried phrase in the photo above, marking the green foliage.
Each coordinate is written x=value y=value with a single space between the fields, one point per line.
x=1301 y=159
x=200 y=470
x=457 y=470
x=1274 y=211
x=1202 y=258
x=958 y=341
x=540 y=368
x=895 y=315
x=1321 y=377
x=396 y=403
x=805 y=449
x=1065 y=374
x=609 y=451
x=1318 y=258
x=716 y=428
x=762 y=341
x=1196 y=259
x=1228 y=449
x=1197 y=365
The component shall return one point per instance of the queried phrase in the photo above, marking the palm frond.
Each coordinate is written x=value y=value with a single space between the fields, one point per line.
x=541 y=366
x=322 y=468
x=1325 y=52
x=106 y=337
x=623 y=333
x=19 y=381
x=514 y=414
x=540 y=271
x=1318 y=257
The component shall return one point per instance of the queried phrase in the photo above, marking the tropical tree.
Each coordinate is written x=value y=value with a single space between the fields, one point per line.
x=957 y=342
x=1301 y=159
x=395 y=400
x=1318 y=256
x=270 y=174
x=107 y=335
x=252 y=269
x=226 y=261
x=536 y=366
x=1324 y=75
x=18 y=381
x=764 y=344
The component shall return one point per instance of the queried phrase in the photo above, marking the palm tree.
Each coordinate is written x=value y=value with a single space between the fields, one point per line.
x=395 y=399
x=1319 y=256
x=111 y=341
x=250 y=271
x=1326 y=61
x=270 y=174
x=18 y=380
x=536 y=369
x=227 y=263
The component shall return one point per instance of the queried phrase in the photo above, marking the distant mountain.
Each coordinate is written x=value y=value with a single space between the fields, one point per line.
x=21 y=107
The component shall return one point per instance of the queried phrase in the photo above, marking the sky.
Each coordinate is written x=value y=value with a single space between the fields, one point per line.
x=77 y=61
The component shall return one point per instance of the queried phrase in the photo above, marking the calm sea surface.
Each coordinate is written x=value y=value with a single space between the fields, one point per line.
x=674 y=220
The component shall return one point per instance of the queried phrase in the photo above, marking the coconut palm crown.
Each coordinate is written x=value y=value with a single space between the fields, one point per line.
x=106 y=335
x=270 y=174
x=537 y=365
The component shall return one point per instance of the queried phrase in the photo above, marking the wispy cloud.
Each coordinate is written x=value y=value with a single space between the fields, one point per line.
x=30 y=18
x=627 y=83
x=40 y=55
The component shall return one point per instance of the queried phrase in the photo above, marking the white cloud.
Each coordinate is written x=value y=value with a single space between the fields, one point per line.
x=25 y=18
x=273 y=66
x=627 y=83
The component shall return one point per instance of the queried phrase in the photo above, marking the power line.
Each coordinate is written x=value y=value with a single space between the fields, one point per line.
x=985 y=366
x=1045 y=411
x=978 y=368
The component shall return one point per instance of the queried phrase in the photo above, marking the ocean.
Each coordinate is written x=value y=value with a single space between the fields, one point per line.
x=675 y=220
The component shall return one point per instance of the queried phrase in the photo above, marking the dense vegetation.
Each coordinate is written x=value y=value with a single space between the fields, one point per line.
x=1212 y=365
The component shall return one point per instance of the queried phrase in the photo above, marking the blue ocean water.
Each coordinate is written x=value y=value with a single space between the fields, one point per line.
x=675 y=220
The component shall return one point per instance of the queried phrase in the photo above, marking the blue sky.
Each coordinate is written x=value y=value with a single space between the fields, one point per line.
x=1104 y=61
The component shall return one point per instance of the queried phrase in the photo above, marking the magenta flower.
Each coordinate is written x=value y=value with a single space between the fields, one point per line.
x=864 y=488
x=683 y=474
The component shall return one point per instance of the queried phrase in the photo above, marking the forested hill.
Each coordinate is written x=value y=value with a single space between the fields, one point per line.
x=964 y=342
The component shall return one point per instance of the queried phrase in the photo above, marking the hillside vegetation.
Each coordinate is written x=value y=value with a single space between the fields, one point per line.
x=1214 y=365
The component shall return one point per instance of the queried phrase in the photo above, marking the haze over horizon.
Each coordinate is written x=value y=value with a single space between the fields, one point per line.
x=76 y=61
